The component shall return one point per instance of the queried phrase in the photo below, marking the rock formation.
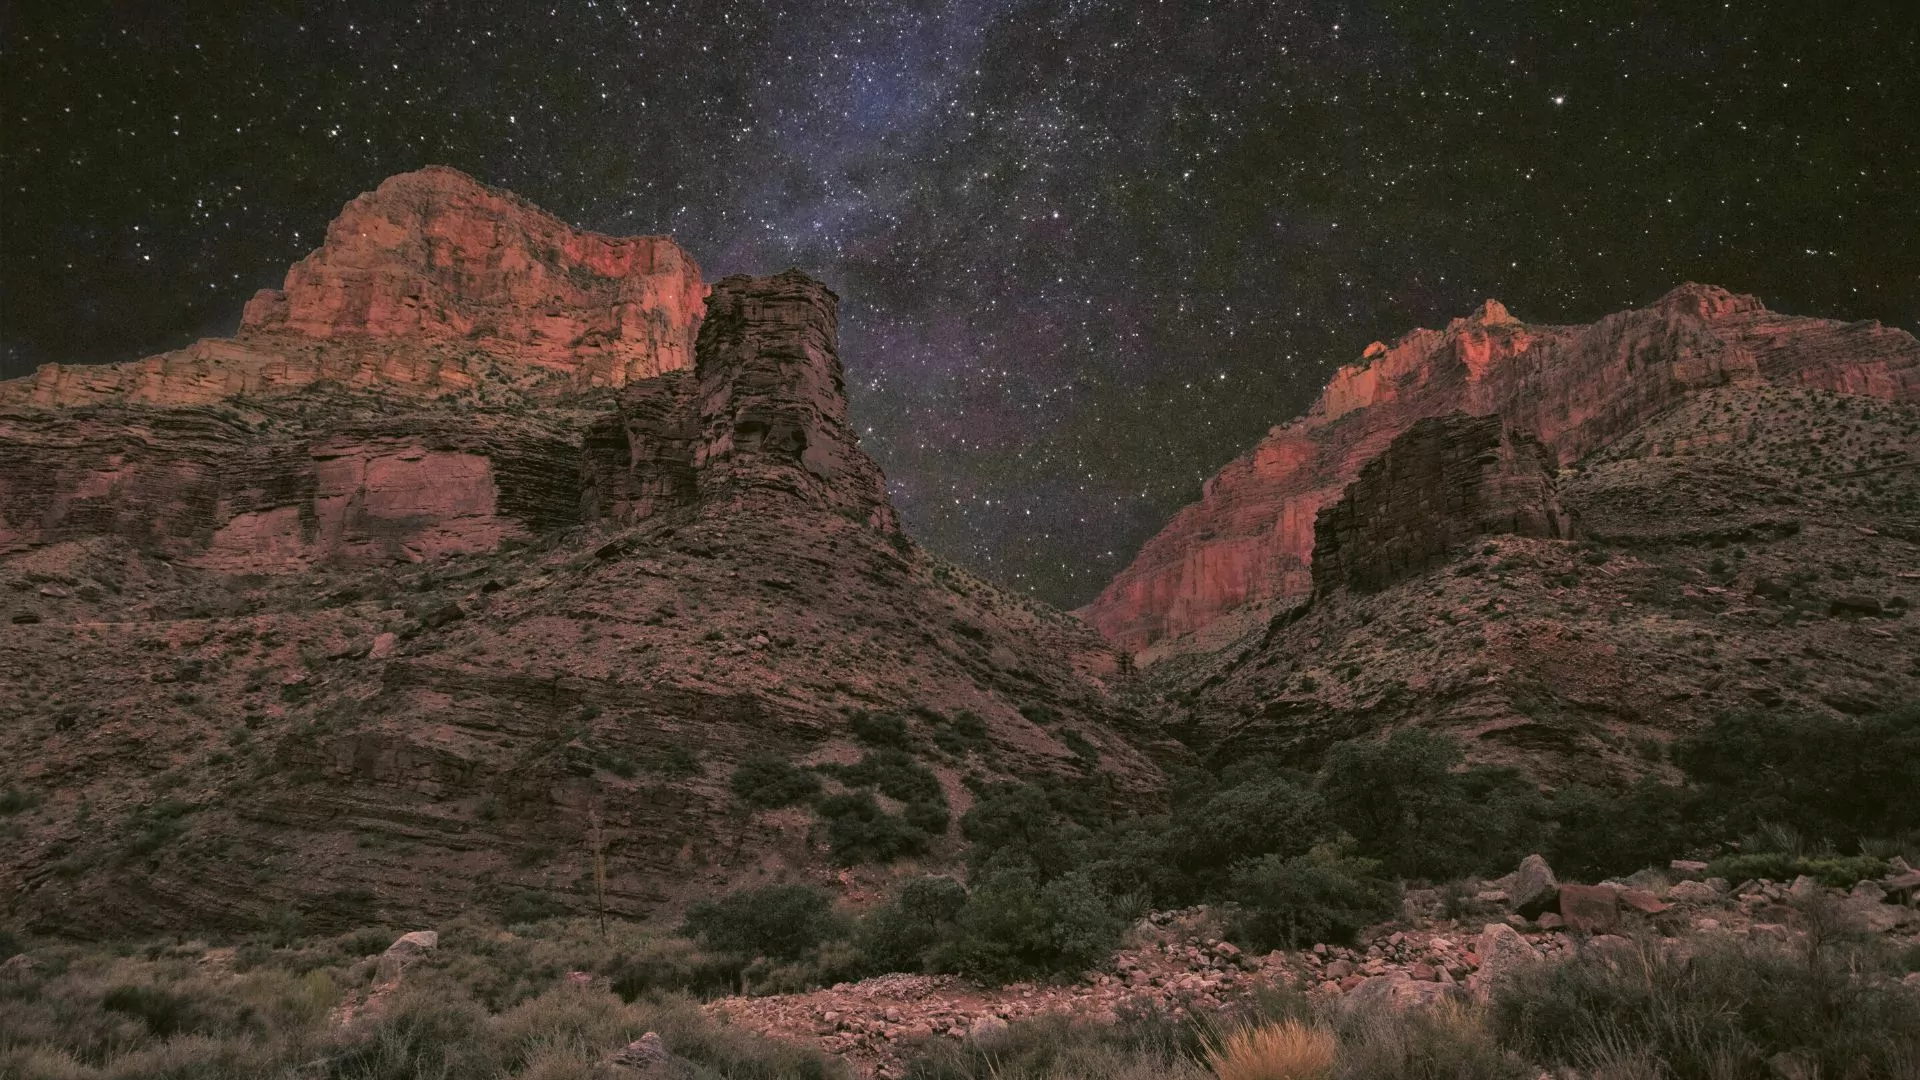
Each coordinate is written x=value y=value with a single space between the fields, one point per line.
x=1442 y=482
x=1248 y=541
x=431 y=284
x=346 y=653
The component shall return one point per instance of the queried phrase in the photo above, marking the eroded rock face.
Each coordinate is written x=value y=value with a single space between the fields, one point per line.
x=1249 y=540
x=1442 y=482
x=431 y=284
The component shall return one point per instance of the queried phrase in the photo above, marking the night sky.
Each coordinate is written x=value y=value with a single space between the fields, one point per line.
x=1087 y=252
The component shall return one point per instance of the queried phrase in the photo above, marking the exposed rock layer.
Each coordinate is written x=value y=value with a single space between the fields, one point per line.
x=432 y=284
x=1442 y=482
x=1248 y=540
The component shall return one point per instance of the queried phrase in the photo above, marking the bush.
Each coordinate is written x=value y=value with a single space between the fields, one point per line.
x=859 y=831
x=1272 y=816
x=1325 y=895
x=880 y=729
x=1289 y=1050
x=1730 y=1008
x=1013 y=927
x=1407 y=806
x=1831 y=779
x=781 y=922
x=1840 y=871
x=899 y=935
x=894 y=773
x=769 y=782
x=1598 y=834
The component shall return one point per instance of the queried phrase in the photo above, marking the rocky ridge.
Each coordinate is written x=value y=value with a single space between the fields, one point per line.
x=431 y=284
x=1224 y=563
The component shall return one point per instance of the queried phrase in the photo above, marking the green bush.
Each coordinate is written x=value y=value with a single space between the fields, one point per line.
x=1325 y=895
x=781 y=922
x=859 y=831
x=894 y=773
x=768 y=782
x=1597 y=834
x=1409 y=805
x=1015 y=927
x=879 y=729
x=898 y=935
x=1271 y=816
x=1831 y=779
x=1841 y=871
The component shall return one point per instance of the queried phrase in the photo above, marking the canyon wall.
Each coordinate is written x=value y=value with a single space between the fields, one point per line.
x=1249 y=539
x=1443 y=482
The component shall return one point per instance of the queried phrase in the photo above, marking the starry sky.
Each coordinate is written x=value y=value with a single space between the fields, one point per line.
x=1087 y=251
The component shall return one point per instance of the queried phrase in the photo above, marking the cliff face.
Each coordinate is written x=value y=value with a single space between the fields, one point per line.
x=431 y=284
x=1248 y=541
x=1443 y=482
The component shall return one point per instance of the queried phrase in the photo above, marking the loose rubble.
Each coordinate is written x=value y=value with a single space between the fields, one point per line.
x=1176 y=963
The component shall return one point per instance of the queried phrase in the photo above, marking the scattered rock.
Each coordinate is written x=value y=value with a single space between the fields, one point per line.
x=1534 y=887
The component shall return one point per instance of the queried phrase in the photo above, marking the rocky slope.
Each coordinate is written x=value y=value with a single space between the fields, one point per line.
x=1753 y=547
x=1224 y=563
x=314 y=656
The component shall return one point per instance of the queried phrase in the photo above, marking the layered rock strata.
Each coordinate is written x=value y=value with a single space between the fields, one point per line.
x=1444 y=481
x=431 y=284
x=1249 y=540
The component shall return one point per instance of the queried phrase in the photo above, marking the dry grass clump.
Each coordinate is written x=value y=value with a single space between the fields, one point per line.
x=1289 y=1050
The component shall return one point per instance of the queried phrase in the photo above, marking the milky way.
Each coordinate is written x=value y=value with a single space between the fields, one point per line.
x=1087 y=252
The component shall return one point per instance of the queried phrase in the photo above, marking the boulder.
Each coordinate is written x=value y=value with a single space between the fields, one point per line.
x=1642 y=901
x=1692 y=892
x=1502 y=952
x=1687 y=866
x=404 y=951
x=1589 y=909
x=1533 y=887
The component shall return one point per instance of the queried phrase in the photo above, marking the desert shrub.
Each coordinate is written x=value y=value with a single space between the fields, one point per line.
x=769 y=782
x=1289 y=1050
x=1324 y=895
x=1446 y=1041
x=1144 y=1045
x=898 y=935
x=13 y=800
x=1841 y=870
x=780 y=922
x=426 y=1031
x=1832 y=779
x=1407 y=803
x=1269 y=816
x=1015 y=927
x=164 y=1012
x=1016 y=821
x=963 y=732
x=1726 y=1008
x=894 y=774
x=859 y=831
x=879 y=729
x=1597 y=834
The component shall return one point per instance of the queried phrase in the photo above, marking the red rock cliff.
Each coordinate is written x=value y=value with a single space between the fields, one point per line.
x=431 y=283
x=1249 y=540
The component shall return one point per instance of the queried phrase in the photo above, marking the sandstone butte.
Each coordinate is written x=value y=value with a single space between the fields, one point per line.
x=432 y=283
x=1224 y=561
